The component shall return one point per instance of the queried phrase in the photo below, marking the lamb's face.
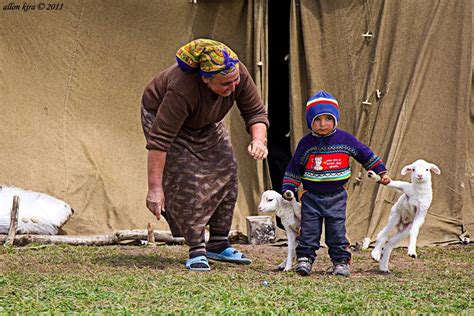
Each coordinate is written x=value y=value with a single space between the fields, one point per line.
x=421 y=171
x=269 y=201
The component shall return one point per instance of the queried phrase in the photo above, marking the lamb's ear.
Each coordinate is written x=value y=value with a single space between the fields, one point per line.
x=406 y=169
x=435 y=168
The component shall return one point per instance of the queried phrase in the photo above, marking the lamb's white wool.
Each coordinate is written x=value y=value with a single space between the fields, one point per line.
x=38 y=213
x=365 y=243
x=408 y=213
x=290 y=215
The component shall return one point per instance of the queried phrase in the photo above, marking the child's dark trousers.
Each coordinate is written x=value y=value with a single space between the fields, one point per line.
x=329 y=208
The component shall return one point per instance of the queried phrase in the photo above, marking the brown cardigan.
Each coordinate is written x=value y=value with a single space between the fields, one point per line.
x=183 y=100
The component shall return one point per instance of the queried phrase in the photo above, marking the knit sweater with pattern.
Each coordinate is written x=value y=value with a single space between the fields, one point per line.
x=321 y=163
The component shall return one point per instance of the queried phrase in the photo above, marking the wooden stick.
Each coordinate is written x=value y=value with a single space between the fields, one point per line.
x=13 y=222
x=151 y=235
x=139 y=234
x=111 y=239
x=95 y=240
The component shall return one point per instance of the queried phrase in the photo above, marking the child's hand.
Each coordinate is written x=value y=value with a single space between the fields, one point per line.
x=384 y=179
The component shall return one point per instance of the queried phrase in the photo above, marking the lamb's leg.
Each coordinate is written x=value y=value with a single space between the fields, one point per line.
x=291 y=235
x=282 y=265
x=414 y=230
x=382 y=236
x=293 y=251
x=387 y=250
x=400 y=185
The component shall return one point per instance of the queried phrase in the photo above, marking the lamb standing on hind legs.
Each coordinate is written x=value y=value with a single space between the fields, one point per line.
x=408 y=213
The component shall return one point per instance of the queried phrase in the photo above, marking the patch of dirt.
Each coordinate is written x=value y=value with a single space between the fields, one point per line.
x=266 y=258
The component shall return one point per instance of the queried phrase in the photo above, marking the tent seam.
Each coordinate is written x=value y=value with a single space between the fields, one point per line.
x=68 y=89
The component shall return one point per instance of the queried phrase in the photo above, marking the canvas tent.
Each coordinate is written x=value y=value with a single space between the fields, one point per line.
x=71 y=82
x=419 y=59
x=71 y=85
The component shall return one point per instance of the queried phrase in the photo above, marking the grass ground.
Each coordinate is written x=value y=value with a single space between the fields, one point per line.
x=136 y=280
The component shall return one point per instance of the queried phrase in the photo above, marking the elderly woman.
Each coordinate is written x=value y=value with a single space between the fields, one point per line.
x=192 y=171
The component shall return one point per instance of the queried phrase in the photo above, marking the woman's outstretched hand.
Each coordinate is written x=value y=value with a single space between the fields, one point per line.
x=257 y=149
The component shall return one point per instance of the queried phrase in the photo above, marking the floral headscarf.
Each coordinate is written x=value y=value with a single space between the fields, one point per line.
x=208 y=56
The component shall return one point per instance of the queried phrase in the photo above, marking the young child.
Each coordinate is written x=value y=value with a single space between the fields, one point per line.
x=321 y=164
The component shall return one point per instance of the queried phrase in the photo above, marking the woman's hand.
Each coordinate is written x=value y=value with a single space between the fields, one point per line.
x=155 y=201
x=257 y=149
x=258 y=146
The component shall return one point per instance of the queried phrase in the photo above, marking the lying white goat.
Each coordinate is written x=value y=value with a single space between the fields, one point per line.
x=408 y=213
x=290 y=215
x=38 y=213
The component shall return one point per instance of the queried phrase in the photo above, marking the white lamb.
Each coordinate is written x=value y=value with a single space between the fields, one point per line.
x=408 y=213
x=38 y=213
x=290 y=215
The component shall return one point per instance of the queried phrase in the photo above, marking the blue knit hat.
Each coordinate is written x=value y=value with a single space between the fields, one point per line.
x=321 y=102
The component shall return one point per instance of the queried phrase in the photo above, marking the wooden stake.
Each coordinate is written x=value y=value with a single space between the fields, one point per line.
x=13 y=222
x=151 y=235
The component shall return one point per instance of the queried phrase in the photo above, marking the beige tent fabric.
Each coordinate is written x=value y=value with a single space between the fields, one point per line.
x=419 y=60
x=71 y=81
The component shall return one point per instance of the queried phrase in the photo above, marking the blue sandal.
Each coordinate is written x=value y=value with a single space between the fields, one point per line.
x=229 y=255
x=199 y=263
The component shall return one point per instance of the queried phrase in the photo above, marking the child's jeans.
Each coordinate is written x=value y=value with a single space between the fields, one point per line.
x=330 y=208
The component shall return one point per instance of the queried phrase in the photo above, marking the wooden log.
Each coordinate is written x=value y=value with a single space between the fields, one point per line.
x=98 y=240
x=140 y=234
x=110 y=239
x=260 y=230
x=13 y=222
x=95 y=240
